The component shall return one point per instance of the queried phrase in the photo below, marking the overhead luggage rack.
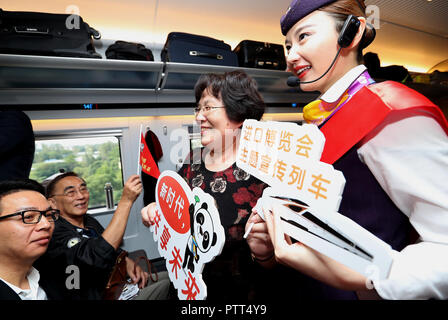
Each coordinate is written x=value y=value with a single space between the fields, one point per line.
x=61 y=80
x=44 y=80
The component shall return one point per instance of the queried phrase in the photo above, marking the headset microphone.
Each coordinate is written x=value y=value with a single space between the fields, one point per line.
x=345 y=38
x=293 y=81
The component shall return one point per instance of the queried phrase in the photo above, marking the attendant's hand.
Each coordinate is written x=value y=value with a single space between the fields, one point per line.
x=136 y=273
x=258 y=239
x=148 y=214
x=309 y=261
x=132 y=188
x=285 y=250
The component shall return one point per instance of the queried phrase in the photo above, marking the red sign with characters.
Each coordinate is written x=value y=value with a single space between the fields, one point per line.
x=188 y=232
x=146 y=161
x=174 y=204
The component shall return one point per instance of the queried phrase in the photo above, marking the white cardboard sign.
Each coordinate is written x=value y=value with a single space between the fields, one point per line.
x=330 y=233
x=286 y=157
x=188 y=233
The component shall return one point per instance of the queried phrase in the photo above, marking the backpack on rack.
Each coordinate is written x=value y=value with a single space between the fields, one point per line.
x=263 y=55
x=124 y=50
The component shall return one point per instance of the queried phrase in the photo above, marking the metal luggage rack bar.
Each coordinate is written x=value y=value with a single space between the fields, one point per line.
x=44 y=80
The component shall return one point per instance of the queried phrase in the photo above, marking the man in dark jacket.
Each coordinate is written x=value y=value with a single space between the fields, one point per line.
x=17 y=145
x=82 y=253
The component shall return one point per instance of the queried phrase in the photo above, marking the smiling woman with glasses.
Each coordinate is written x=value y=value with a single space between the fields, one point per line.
x=223 y=102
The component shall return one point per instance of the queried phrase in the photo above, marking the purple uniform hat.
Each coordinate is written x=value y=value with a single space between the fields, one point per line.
x=299 y=9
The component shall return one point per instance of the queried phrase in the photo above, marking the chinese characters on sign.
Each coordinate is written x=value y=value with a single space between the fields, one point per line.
x=188 y=233
x=286 y=155
x=306 y=194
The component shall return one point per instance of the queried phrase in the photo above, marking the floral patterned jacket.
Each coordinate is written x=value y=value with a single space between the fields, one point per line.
x=236 y=192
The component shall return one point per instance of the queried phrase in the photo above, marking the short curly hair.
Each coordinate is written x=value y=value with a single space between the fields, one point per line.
x=238 y=92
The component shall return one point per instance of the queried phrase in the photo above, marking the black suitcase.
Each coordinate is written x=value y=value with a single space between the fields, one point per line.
x=255 y=54
x=191 y=48
x=124 y=50
x=38 y=33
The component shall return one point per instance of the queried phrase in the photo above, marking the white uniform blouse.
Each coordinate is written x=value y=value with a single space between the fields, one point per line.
x=409 y=159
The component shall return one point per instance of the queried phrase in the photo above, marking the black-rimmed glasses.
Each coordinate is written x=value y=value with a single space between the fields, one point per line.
x=204 y=109
x=34 y=216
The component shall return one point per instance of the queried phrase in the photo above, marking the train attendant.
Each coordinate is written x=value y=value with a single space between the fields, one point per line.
x=391 y=144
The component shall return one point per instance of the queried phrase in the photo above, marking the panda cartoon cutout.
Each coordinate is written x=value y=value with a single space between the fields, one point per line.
x=188 y=233
x=203 y=236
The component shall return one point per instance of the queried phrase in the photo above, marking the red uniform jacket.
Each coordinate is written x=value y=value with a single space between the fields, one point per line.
x=367 y=109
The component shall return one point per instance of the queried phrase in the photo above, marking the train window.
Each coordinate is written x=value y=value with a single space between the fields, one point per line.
x=96 y=159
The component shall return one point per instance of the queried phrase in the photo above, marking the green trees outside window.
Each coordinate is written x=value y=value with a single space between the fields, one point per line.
x=97 y=160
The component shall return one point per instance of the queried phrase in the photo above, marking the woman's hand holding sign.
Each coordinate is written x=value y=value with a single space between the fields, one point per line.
x=148 y=214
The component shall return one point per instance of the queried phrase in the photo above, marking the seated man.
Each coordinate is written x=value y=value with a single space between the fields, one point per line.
x=82 y=253
x=26 y=226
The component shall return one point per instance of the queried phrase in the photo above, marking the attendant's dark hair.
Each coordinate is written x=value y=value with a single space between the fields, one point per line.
x=8 y=187
x=238 y=92
x=51 y=185
x=341 y=9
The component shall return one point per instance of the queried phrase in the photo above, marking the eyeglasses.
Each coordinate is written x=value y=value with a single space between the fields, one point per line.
x=72 y=192
x=34 y=216
x=205 y=109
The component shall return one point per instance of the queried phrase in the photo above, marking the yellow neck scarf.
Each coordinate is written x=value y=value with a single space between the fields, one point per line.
x=317 y=111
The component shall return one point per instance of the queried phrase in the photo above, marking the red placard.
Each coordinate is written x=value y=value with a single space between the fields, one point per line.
x=146 y=160
x=174 y=204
